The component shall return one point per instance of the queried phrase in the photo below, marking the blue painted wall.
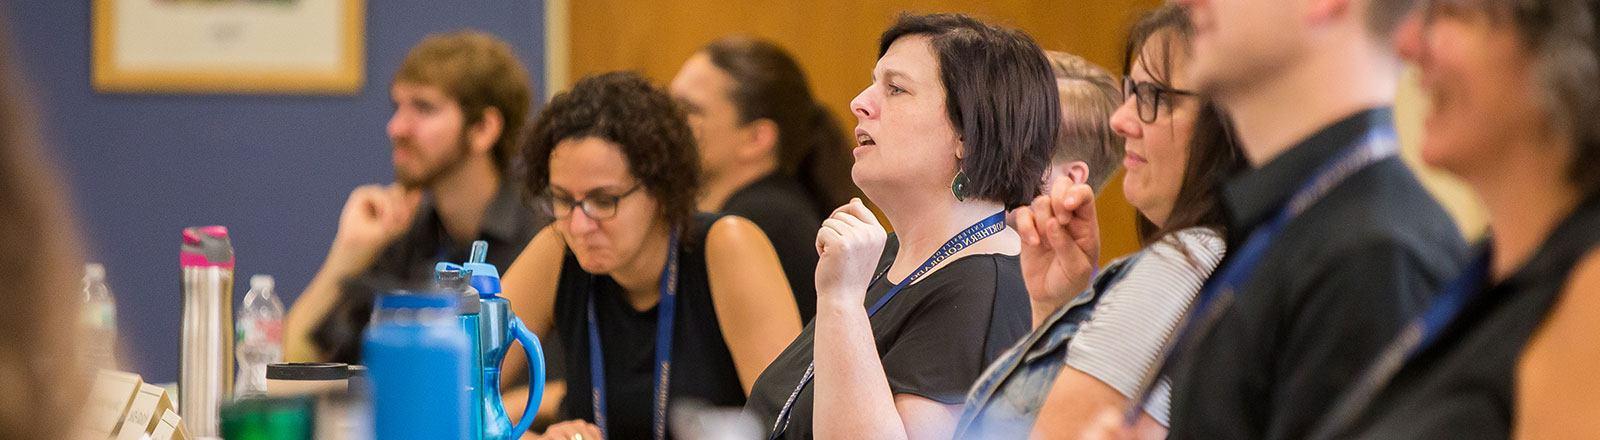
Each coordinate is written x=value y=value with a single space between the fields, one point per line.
x=274 y=169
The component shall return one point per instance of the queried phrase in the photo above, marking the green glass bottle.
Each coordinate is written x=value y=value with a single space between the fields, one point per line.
x=270 y=418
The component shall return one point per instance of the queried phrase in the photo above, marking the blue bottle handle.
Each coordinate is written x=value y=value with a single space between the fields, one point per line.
x=530 y=345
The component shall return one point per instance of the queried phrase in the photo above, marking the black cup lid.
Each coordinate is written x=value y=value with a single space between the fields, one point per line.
x=308 y=371
x=358 y=371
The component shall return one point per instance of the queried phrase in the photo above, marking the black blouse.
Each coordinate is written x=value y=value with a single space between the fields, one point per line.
x=781 y=207
x=702 y=367
x=934 y=338
x=1464 y=386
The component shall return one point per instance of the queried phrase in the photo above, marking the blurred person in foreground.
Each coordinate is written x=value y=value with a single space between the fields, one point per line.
x=1333 y=243
x=1506 y=349
x=41 y=371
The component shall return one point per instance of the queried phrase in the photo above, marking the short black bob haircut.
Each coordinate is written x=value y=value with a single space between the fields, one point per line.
x=1001 y=97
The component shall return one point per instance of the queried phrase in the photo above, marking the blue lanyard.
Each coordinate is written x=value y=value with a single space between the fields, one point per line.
x=663 y=364
x=1421 y=333
x=1380 y=143
x=1447 y=306
x=978 y=231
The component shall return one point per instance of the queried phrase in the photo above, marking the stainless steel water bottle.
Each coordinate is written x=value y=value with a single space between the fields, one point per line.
x=205 y=376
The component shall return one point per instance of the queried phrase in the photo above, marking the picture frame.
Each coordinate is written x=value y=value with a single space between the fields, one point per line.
x=228 y=46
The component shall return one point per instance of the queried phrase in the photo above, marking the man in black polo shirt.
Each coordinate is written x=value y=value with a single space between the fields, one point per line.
x=459 y=100
x=1333 y=276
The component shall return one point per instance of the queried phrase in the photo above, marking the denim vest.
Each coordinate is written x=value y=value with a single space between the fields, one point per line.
x=1005 y=400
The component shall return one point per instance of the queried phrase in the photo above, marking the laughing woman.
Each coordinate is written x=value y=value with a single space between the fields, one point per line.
x=1507 y=349
x=957 y=125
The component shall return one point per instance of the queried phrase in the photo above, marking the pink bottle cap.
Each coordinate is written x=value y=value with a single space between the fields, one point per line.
x=206 y=246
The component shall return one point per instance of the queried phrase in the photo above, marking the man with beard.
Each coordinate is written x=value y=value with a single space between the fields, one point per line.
x=459 y=99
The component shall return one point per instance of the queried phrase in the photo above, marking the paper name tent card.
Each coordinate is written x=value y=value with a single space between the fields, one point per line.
x=169 y=427
x=109 y=398
x=122 y=407
x=145 y=412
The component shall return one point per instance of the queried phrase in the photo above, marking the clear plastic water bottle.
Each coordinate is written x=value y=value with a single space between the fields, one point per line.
x=258 y=336
x=99 y=318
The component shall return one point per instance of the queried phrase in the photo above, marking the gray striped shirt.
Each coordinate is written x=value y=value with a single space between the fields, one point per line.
x=1130 y=327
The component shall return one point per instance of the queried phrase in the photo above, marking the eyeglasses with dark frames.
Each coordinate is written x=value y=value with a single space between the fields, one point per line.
x=596 y=206
x=1150 y=97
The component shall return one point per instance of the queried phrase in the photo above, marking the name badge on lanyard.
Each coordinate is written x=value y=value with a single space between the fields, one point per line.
x=1219 y=292
x=663 y=364
x=978 y=231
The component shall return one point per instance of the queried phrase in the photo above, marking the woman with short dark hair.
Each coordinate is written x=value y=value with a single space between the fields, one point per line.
x=957 y=126
x=654 y=302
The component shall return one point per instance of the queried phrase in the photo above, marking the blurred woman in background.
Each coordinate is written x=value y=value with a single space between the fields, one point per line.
x=769 y=151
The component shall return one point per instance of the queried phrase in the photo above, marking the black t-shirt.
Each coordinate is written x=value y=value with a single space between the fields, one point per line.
x=702 y=366
x=1464 y=385
x=1329 y=294
x=934 y=338
x=508 y=225
x=780 y=206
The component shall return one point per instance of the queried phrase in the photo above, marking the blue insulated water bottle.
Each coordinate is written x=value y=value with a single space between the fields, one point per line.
x=499 y=328
x=418 y=366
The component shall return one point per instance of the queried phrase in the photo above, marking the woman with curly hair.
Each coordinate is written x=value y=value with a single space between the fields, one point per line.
x=655 y=303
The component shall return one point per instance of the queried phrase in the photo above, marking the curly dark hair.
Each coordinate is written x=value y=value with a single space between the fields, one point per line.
x=625 y=109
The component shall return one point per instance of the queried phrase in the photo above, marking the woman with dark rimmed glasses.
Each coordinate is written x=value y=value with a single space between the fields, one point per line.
x=1096 y=349
x=1151 y=96
x=654 y=303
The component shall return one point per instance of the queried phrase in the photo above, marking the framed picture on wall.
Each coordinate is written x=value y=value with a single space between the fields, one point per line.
x=228 y=46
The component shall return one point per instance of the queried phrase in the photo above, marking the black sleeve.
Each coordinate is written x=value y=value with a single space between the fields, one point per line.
x=941 y=350
x=338 y=336
x=1346 y=316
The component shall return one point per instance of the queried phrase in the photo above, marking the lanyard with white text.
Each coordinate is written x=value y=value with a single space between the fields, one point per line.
x=1379 y=143
x=978 y=231
x=663 y=364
